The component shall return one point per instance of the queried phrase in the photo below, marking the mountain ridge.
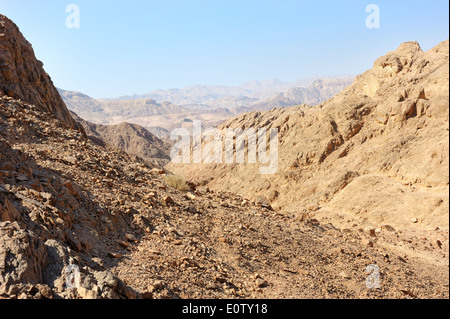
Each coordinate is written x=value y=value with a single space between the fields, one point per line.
x=23 y=76
x=378 y=126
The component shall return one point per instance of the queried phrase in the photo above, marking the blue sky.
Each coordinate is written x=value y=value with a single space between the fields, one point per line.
x=128 y=47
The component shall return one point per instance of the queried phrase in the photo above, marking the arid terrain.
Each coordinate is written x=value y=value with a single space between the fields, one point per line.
x=163 y=111
x=362 y=184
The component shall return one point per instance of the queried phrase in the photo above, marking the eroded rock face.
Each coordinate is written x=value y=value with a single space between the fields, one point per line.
x=377 y=151
x=22 y=76
x=22 y=256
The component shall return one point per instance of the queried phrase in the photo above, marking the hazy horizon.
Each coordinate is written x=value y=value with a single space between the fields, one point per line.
x=122 y=49
x=312 y=78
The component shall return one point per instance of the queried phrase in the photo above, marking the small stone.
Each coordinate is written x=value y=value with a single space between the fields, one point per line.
x=303 y=217
x=45 y=291
x=221 y=279
x=313 y=208
x=367 y=242
x=210 y=286
x=191 y=209
x=388 y=228
x=46 y=196
x=190 y=196
x=409 y=293
x=129 y=293
x=261 y=282
x=115 y=255
x=169 y=200
x=71 y=159
x=131 y=238
x=344 y=275
x=154 y=252
x=123 y=244
x=147 y=295
x=158 y=284
x=86 y=294
x=22 y=178
x=414 y=220
x=158 y=171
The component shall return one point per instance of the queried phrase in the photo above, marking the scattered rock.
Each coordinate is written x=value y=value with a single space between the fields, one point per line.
x=131 y=238
x=388 y=228
x=344 y=275
x=147 y=295
x=115 y=255
x=261 y=283
x=87 y=294
x=190 y=196
x=313 y=207
x=154 y=252
x=71 y=159
x=367 y=242
x=169 y=200
x=178 y=242
x=158 y=284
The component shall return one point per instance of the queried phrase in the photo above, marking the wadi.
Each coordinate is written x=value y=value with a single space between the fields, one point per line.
x=353 y=204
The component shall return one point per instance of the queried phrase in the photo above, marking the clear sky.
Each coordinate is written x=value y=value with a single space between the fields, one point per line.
x=128 y=47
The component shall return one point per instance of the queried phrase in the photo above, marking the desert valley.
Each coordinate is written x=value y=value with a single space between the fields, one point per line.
x=92 y=207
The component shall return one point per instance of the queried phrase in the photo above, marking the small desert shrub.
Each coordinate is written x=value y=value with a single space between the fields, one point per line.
x=177 y=182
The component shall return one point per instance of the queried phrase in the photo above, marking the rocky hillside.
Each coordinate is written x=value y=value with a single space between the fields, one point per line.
x=82 y=221
x=23 y=77
x=83 y=105
x=376 y=154
x=66 y=202
x=131 y=138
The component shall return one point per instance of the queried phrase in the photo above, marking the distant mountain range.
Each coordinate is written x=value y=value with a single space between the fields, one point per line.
x=163 y=110
x=318 y=92
x=131 y=138
x=202 y=94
